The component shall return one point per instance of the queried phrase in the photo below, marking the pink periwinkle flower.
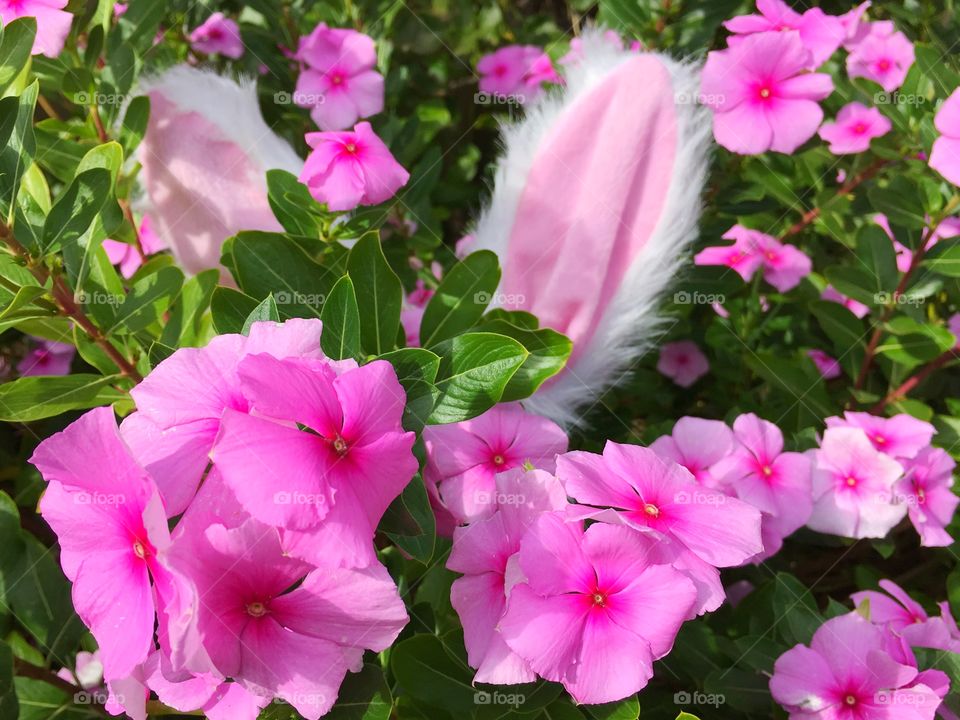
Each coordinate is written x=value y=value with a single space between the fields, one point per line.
x=87 y=672
x=485 y=552
x=926 y=490
x=784 y=265
x=119 y=9
x=761 y=95
x=945 y=157
x=53 y=22
x=683 y=362
x=853 y=486
x=217 y=698
x=820 y=33
x=218 y=35
x=339 y=81
x=895 y=611
x=47 y=357
x=833 y=295
x=516 y=71
x=575 y=53
x=856 y=125
x=900 y=436
x=126 y=256
x=463 y=458
x=953 y=325
x=347 y=169
x=93 y=482
x=827 y=365
x=698 y=445
x=884 y=56
x=618 y=611
x=855 y=25
x=847 y=674
x=948 y=228
x=414 y=305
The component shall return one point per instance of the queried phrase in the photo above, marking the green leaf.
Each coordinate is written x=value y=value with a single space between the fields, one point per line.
x=148 y=300
x=944 y=258
x=912 y=343
x=549 y=352
x=265 y=311
x=17 y=152
x=795 y=609
x=416 y=370
x=9 y=708
x=628 y=709
x=37 y=397
x=379 y=295
x=76 y=209
x=900 y=201
x=876 y=253
x=341 y=322
x=428 y=673
x=230 y=309
x=135 y=122
x=410 y=523
x=292 y=204
x=363 y=696
x=845 y=330
x=463 y=295
x=16 y=42
x=187 y=320
x=687 y=716
x=475 y=369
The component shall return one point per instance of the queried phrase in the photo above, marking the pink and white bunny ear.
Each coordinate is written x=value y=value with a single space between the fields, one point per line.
x=205 y=157
x=595 y=201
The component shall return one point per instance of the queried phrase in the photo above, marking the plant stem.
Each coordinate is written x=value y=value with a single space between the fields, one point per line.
x=911 y=382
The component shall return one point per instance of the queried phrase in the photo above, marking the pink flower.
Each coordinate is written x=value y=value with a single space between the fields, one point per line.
x=47 y=357
x=339 y=81
x=857 y=308
x=884 y=56
x=485 y=553
x=682 y=362
x=760 y=95
x=821 y=33
x=949 y=227
x=953 y=325
x=827 y=366
x=88 y=670
x=464 y=458
x=853 y=486
x=53 y=22
x=900 y=436
x=945 y=157
x=925 y=488
x=119 y=9
x=126 y=256
x=632 y=486
x=217 y=698
x=411 y=316
x=784 y=266
x=855 y=25
x=218 y=34
x=741 y=257
x=846 y=674
x=295 y=644
x=697 y=445
x=575 y=53
x=856 y=125
x=515 y=71
x=346 y=169
x=94 y=482
x=617 y=611
x=900 y=614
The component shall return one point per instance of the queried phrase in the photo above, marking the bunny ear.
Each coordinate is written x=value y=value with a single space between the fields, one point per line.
x=205 y=156
x=595 y=201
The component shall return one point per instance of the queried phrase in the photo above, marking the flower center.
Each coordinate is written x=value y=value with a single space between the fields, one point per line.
x=599 y=599
x=256 y=609
x=860 y=128
x=139 y=549
x=351 y=147
x=340 y=445
x=498 y=460
x=766 y=470
x=850 y=700
x=851 y=480
x=884 y=65
x=651 y=510
x=337 y=79
x=879 y=439
x=771 y=255
x=764 y=92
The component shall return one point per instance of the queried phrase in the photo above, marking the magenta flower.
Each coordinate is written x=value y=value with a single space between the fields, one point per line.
x=683 y=362
x=47 y=357
x=945 y=156
x=827 y=366
x=847 y=674
x=698 y=445
x=339 y=81
x=348 y=465
x=217 y=698
x=857 y=308
x=414 y=305
x=464 y=458
x=820 y=33
x=900 y=436
x=742 y=257
x=856 y=125
x=516 y=72
x=784 y=266
x=218 y=34
x=884 y=56
x=760 y=95
x=925 y=489
x=618 y=611
x=94 y=482
x=894 y=610
x=126 y=256
x=485 y=553
x=347 y=169
x=53 y=22
x=295 y=644
x=853 y=493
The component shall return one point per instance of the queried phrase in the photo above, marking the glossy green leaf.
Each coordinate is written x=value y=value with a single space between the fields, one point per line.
x=463 y=295
x=341 y=322
x=379 y=295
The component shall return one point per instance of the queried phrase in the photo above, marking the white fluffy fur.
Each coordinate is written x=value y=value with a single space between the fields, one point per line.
x=626 y=330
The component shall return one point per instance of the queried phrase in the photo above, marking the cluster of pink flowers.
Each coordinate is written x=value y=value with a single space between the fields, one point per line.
x=862 y=665
x=784 y=266
x=516 y=72
x=218 y=35
x=234 y=512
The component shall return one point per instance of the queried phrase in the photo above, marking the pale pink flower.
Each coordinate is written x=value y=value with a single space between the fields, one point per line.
x=900 y=436
x=847 y=674
x=821 y=34
x=948 y=228
x=827 y=366
x=339 y=82
x=760 y=95
x=855 y=25
x=464 y=458
x=895 y=611
x=945 y=156
x=784 y=266
x=683 y=362
x=463 y=245
x=414 y=305
x=347 y=169
x=926 y=490
x=696 y=444
x=575 y=53
x=856 y=125
x=87 y=672
x=112 y=533
x=47 y=357
x=516 y=72
x=126 y=256
x=953 y=325
x=833 y=295
x=593 y=613
x=218 y=34
x=853 y=486
x=219 y=699
x=884 y=56
x=485 y=553
x=53 y=22
x=119 y=9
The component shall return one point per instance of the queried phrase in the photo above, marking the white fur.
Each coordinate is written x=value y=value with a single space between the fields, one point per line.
x=626 y=330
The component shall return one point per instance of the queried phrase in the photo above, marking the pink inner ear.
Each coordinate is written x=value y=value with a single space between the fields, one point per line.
x=203 y=188
x=593 y=198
